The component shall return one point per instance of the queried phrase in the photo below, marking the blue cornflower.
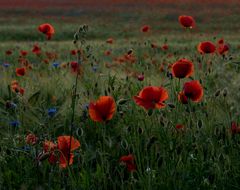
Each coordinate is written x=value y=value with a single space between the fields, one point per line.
x=6 y=65
x=14 y=123
x=94 y=68
x=55 y=64
x=52 y=112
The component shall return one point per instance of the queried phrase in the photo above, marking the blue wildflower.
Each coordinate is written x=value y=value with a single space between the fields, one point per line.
x=52 y=112
x=94 y=68
x=55 y=64
x=6 y=65
x=14 y=123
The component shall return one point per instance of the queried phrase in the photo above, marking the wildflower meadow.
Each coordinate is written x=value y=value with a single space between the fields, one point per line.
x=119 y=94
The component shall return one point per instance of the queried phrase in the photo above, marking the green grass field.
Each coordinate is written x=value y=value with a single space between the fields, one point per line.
x=203 y=154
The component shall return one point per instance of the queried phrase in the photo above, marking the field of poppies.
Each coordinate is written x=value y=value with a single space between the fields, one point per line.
x=120 y=95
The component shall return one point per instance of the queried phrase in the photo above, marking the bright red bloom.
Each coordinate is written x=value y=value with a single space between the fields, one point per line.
x=129 y=162
x=109 y=40
x=66 y=150
x=145 y=28
x=193 y=90
x=103 y=109
x=186 y=21
x=182 y=68
x=23 y=53
x=21 y=91
x=31 y=139
x=47 y=29
x=74 y=66
x=20 y=71
x=152 y=97
x=36 y=49
x=179 y=126
x=206 y=47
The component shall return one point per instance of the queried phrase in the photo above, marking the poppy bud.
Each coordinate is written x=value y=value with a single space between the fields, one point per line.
x=217 y=93
x=225 y=92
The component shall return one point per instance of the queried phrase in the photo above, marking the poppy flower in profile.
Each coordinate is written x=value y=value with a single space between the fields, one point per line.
x=49 y=148
x=151 y=97
x=31 y=139
x=74 y=66
x=103 y=109
x=206 y=47
x=182 y=68
x=66 y=149
x=145 y=28
x=235 y=129
x=109 y=40
x=73 y=52
x=36 y=49
x=186 y=21
x=164 y=47
x=8 y=52
x=179 y=126
x=222 y=47
x=23 y=53
x=193 y=90
x=47 y=29
x=20 y=71
x=107 y=52
x=128 y=160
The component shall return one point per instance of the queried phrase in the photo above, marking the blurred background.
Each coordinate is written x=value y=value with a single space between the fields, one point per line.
x=122 y=17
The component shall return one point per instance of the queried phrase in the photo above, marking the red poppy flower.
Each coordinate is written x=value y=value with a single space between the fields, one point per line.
x=103 y=109
x=47 y=29
x=21 y=91
x=129 y=162
x=140 y=77
x=36 y=49
x=73 y=52
x=223 y=49
x=20 y=71
x=186 y=21
x=182 y=98
x=152 y=97
x=206 y=47
x=109 y=40
x=193 y=90
x=66 y=150
x=31 y=139
x=235 y=129
x=179 y=126
x=74 y=66
x=107 y=52
x=164 y=47
x=8 y=52
x=23 y=53
x=49 y=147
x=182 y=68
x=145 y=28
x=221 y=41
